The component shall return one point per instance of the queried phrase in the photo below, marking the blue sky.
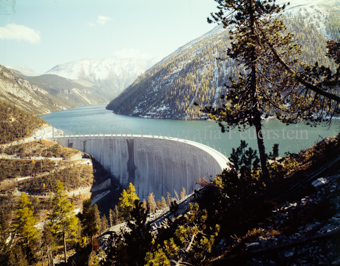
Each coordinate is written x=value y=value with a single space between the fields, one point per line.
x=43 y=33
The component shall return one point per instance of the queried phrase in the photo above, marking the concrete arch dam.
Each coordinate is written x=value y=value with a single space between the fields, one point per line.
x=157 y=165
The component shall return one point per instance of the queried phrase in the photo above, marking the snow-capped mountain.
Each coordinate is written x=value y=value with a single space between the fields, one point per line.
x=194 y=74
x=109 y=75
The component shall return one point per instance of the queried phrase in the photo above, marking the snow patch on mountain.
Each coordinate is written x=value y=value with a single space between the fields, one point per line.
x=101 y=69
x=111 y=75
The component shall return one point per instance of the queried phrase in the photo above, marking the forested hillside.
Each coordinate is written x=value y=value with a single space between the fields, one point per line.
x=15 y=123
x=195 y=73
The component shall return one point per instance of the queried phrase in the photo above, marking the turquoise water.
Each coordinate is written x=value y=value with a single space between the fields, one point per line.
x=95 y=119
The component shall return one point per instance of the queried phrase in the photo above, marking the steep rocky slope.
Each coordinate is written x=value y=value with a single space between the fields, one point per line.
x=25 y=95
x=44 y=94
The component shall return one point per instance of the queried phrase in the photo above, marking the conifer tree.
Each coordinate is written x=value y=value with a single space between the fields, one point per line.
x=97 y=216
x=6 y=242
x=168 y=198
x=111 y=217
x=114 y=216
x=151 y=203
x=104 y=223
x=126 y=202
x=25 y=227
x=163 y=203
x=63 y=222
x=48 y=244
x=183 y=193
x=89 y=220
x=144 y=204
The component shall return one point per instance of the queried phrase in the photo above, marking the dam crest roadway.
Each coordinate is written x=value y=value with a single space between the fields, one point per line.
x=152 y=164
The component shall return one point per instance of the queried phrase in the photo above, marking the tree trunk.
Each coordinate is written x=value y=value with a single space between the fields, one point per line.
x=89 y=258
x=65 y=252
x=42 y=256
x=256 y=107
x=50 y=258
x=261 y=147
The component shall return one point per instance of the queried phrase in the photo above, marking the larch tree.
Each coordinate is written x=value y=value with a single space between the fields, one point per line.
x=152 y=206
x=273 y=81
x=25 y=227
x=63 y=222
x=126 y=202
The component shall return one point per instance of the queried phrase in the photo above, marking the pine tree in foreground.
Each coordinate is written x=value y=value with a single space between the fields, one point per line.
x=273 y=80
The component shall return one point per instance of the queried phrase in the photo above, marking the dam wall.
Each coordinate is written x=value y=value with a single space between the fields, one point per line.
x=157 y=165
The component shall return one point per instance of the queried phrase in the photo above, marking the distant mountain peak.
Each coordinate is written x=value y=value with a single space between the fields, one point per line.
x=25 y=70
x=112 y=74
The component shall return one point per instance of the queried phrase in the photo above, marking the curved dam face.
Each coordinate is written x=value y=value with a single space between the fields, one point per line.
x=155 y=165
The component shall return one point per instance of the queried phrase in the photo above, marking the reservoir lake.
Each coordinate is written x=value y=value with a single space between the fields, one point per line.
x=96 y=120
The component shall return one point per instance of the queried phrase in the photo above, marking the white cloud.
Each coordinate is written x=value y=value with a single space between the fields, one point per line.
x=103 y=20
x=132 y=53
x=19 y=33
